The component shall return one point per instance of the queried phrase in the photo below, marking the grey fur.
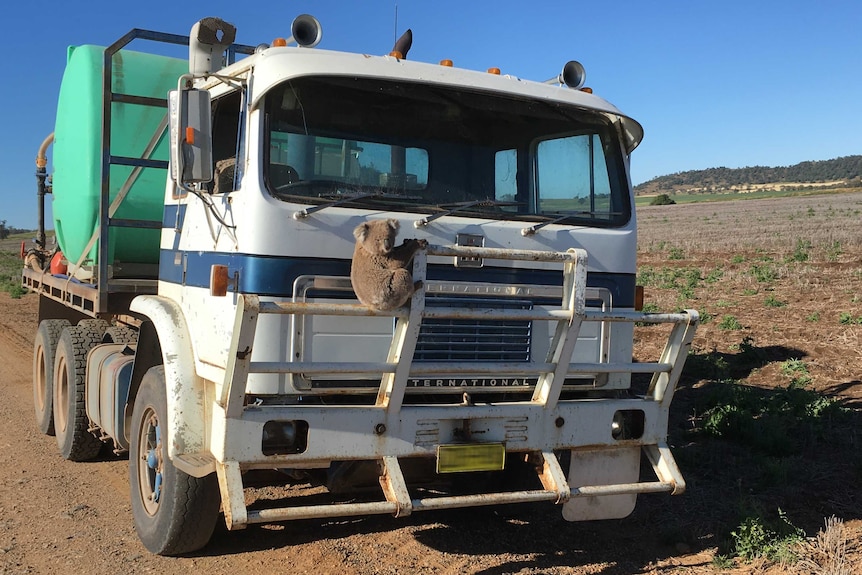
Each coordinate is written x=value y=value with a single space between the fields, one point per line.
x=379 y=271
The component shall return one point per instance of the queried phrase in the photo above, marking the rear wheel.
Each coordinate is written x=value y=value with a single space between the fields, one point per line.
x=71 y=423
x=119 y=334
x=95 y=324
x=174 y=512
x=44 y=348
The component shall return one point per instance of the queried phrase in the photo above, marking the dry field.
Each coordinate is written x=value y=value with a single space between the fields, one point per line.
x=768 y=416
x=765 y=428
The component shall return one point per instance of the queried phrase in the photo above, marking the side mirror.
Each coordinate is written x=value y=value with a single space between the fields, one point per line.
x=191 y=136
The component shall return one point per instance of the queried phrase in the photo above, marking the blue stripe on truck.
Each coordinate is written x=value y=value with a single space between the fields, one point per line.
x=274 y=275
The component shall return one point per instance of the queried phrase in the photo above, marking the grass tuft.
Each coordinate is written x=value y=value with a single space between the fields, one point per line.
x=826 y=553
x=758 y=537
x=777 y=423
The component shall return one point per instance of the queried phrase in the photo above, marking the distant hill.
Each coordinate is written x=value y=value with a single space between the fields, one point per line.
x=845 y=172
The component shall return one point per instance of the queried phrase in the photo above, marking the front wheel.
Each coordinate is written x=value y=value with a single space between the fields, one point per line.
x=174 y=512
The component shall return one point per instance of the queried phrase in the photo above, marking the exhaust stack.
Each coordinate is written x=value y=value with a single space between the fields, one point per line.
x=208 y=41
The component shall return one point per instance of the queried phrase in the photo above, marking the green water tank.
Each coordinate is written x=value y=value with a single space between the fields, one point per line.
x=77 y=153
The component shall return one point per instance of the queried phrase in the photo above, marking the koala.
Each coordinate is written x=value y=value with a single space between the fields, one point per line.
x=379 y=271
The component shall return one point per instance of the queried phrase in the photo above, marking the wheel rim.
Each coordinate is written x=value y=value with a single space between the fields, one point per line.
x=61 y=395
x=151 y=462
x=41 y=379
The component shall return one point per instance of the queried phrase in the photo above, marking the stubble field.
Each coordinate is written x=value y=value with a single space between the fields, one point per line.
x=767 y=420
x=765 y=427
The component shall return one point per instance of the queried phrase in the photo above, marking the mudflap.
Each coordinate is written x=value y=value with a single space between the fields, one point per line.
x=602 y=467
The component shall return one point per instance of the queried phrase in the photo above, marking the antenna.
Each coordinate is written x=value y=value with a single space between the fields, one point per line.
x=395 y=31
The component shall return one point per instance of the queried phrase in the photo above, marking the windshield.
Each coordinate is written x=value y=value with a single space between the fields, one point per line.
x=422 y=148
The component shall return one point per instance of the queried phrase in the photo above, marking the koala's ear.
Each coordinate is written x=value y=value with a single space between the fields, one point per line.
x=393 y=224
x=361 y=232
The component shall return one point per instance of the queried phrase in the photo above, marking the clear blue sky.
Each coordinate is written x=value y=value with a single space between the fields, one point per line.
x=732 y=83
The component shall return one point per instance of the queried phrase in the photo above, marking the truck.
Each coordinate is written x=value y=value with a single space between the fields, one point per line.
x=197 y=315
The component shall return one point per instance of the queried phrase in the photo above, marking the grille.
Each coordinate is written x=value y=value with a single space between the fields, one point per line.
x=474 y=340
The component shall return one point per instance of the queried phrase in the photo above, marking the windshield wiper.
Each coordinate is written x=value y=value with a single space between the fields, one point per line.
x=340 y=197
x=300 y=214
x=461 y=207
x=563 y=216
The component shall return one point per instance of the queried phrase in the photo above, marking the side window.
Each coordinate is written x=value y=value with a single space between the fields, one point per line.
x=573 y=176
x=227 y=134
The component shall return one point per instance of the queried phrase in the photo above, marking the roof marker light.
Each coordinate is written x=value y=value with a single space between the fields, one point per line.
x=447 y=63
x=495 y=71
x=279 y=43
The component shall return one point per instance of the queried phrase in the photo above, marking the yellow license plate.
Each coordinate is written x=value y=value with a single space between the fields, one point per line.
x=457 y=458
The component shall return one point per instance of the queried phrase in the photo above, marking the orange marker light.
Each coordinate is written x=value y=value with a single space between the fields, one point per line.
x=279 y=43
x=639 y=298
x=587 y=90
x=447 y=63
x=218 y=280
x=495 y=71
x=190 y=135
x=396 y=54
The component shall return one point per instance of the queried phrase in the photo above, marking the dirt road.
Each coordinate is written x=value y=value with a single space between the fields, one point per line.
x=62 y=517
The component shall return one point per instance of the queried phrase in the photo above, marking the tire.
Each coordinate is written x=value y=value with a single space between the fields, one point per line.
x=70 y=412
x=174 y=513
x=95 y=324
x=44 y=348
x=118 y=334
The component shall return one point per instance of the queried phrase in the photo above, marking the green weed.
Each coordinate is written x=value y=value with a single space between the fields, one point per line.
x=793 y=367
x=764 y=273
x=757 y=537
x=846 y=318
x=714 y=275
x=746 y=346
x=776 y=423
x=798 y=373
x=709 y=365
x=675 y=253
x=771 y=301
x=833 y=251
x=800 y=252
x=684 y=279
x=729 y=322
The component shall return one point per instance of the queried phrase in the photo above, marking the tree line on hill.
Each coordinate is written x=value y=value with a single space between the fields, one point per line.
x=6 y=231
x=847 y=169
